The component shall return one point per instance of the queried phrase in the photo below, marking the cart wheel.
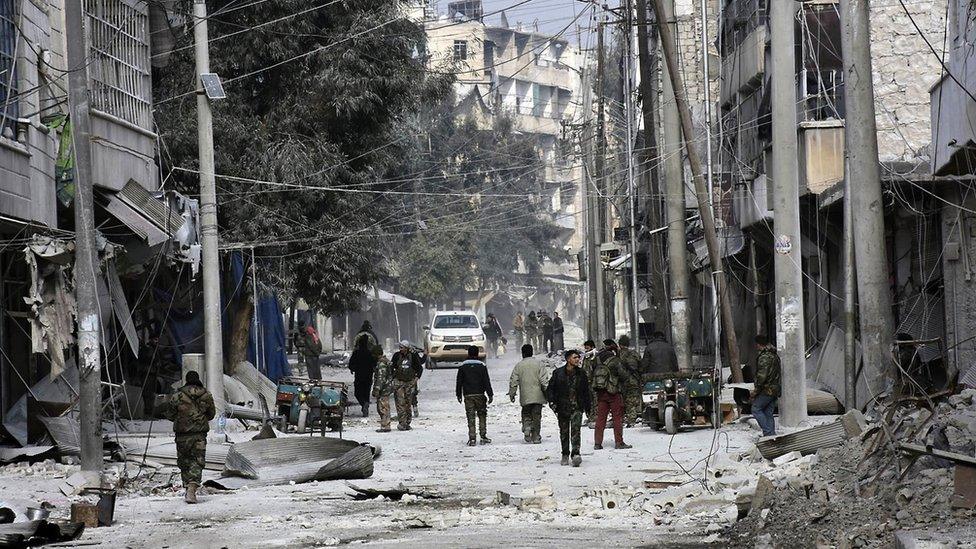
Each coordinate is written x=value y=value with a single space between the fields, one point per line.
x=670 y=424
x=302 y=420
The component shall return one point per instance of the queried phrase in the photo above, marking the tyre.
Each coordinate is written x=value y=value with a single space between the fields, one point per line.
x=302 y=420
x=670 y=422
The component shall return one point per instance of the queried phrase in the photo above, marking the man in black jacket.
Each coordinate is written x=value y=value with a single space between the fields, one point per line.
x=569 y=395
x=474 y=389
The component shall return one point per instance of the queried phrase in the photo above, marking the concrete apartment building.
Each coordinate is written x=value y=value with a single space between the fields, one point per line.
x=923 y=248
x=37 y=190
x=512 y=68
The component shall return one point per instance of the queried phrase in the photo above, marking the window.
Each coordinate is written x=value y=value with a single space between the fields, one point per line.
x=456 y=321
x=121 y=82
x=460 y=50
x=8 y=65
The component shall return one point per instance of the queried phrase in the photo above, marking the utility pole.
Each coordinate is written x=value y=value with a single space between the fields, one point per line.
x=86 y=263
x=590 y=217
x=786 y=216
x=697 y=174
x=850 y=298
x=861 y=136
x=674 y=184
x=709 y=180
x=213 y=335
x=649 y=104
x=631 y=184
x=604 y=297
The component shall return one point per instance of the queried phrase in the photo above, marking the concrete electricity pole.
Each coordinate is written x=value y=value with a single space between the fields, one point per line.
x=213 y=336
x=631 y=183
x=697 y=174
x=674 y=185
x=86 y=263
x=604 y=297
x=657 y=297
x=786 y=215
x=860 y=130
x=850 y=298
x=590 y=217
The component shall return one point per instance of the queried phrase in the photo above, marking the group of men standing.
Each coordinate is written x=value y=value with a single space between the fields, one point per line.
x=543 y=332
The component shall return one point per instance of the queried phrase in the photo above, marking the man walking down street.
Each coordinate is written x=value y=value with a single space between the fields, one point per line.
x=382 y=388
x=407 y=369
x=659 y=356
x=547 y=333
x=311 y=348
x=474 y=389
x=608 y=378
x=518 y=326
x=569 y=395
x=768 y=385
x=589 y=363
x=526 y=379
x=191 y=408
x=532 y=330
x=558 y=343
x=630 y=360
x=493 y=331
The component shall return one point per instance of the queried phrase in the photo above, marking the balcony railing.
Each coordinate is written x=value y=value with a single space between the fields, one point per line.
x=820 y=95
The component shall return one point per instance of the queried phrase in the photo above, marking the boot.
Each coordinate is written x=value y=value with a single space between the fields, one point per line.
x=577 y=460
x=383 y=430
x=564 y=461
x=191 y=493
x=365 y=410
x=485 y=440
x=623 y=446
x=472 y=442
x=528 y=438
x=416 y=413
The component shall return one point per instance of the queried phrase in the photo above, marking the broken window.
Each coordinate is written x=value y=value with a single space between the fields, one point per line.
x=460 y=50
x=121 y=82
x=8 y=69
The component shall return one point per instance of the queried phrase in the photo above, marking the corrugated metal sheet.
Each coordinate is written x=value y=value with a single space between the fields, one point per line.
x=810 y=440
x=294 y=459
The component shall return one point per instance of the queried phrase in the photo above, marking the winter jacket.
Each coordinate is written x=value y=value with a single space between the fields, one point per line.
x=769 y=376
x=312 y=345
x=472 y=379
x=493 y=329
x=383 y=378
x=659 y=358
x=531 y=325
x=608 y=373
x=557 y=326
x=527 y=381
x=562 y=397
x=190 y=408
x=406 y=366
x=546 y=326
x=630 y=361
x=362 y=361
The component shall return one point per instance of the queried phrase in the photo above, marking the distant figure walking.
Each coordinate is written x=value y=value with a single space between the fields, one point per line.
x=473 y=388
x=362 y=364
x=558 y=342
x=532 y=331
x=768 y=385
x=407 y=369
x=493 y=331
x=547 y=333
x=608 y=380
x=518 y=326
x=382 y=388
x=311 y=348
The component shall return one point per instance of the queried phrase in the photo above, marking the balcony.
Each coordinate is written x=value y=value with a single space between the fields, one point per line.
x=743 y=69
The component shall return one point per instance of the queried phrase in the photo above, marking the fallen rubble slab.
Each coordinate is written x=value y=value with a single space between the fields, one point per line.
x=810 y=440
x=395 y=493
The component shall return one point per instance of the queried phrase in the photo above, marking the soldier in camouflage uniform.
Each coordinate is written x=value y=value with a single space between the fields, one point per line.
x=531 y=326
x=382 y=388
x=569 y=394
x=768 y=385
x=631 y=362
x=589 y=361
x=406 y=369
x=608 y=380
x=191 y=408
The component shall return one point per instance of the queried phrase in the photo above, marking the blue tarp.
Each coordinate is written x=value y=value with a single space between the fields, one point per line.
x=186 y=326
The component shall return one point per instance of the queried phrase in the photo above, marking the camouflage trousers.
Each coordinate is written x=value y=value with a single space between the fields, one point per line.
x=191 y=456
x=403 y=393
x=383 y=410
x=633 y=404
x=569 y=432
x=531 y=421
x=476 y=405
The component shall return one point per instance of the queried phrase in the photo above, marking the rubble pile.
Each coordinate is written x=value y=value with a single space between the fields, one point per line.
x=870 y=489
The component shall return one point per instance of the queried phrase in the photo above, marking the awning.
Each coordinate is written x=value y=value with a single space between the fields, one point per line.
x=731 y=240
x=389 y=297
x=151 y=218
x=622 y=262
x=563 y=281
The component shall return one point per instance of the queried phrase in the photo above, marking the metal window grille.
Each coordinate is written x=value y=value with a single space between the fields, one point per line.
x=121 y=81
x=9 y=107
x=460 y=50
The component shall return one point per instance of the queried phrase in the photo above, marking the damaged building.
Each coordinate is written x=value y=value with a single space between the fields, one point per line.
x=147 y=235
x=928 y=240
